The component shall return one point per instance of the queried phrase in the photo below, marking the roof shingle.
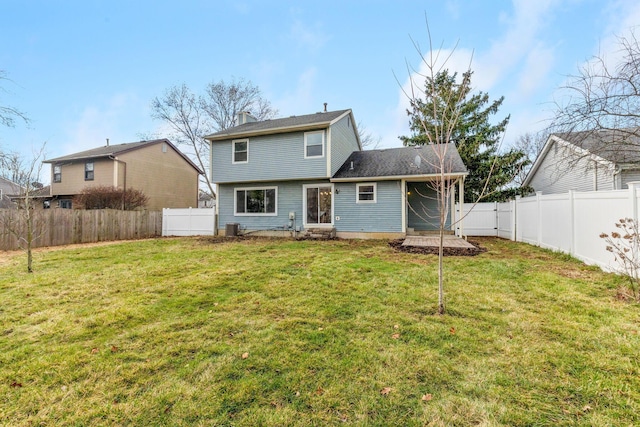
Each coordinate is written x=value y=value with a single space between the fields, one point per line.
x=405 y=161
x=268 y=126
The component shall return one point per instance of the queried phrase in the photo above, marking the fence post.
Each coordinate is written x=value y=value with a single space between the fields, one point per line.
x=539 y=219
x=634 y=200
x=496 y=220
x=514 y=218
x=572 y=218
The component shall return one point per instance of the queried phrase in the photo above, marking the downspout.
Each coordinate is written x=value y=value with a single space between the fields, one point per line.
x=124 y=184
x=617 y=171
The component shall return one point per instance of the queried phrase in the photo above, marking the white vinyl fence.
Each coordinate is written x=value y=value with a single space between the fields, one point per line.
x=188 y=222
x=569 y=223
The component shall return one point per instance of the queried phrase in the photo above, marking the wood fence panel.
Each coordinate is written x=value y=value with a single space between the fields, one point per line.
x=54 y=227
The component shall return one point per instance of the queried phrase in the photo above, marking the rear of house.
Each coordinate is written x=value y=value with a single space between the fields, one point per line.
x=309 y=173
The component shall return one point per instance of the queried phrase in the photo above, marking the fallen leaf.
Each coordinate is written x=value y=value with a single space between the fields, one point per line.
x=395 y=336
x=452 y=330
x=94 y=350
x=16 y=384
x=320 y=391
x=427 y=397
x=245 y=355
x=385 y=391
x=114 y=349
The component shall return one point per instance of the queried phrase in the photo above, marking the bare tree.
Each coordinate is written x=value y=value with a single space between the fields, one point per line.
x=22 y=223
x=603 y=97
x=367 y=139
x=8 y=114
x=437 y=122
x=531 y=144
x=190 y=117
x=223 y=101
x=11 y=166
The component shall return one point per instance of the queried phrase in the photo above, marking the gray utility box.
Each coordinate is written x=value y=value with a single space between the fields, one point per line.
x=231 y=229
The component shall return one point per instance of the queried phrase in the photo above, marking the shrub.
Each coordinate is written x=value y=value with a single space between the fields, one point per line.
x=105 y=197
x=625 y=247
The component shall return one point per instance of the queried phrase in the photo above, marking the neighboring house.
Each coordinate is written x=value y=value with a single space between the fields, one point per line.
x=206 y=200
x=7 y=189
x=586 y=161
x=164 y=174
x=39 y=198
x=309 y=172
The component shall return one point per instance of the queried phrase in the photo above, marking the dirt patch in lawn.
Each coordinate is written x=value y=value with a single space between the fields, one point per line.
x=433 y=250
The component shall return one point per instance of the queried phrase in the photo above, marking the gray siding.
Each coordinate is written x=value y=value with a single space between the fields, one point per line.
x=289 y=200
x=423 y=208
x=383 y=216
x=343 y=142
x=271 y=158
x=630 y=175
x=559 y=173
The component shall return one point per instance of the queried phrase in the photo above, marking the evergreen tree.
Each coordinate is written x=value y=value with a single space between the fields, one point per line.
x=452 y=113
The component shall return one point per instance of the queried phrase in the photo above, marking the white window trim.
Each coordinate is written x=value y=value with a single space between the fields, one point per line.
x=235 y=201
x=304 y=205
x=375 y=192
x=323 y=144
x=233 y=151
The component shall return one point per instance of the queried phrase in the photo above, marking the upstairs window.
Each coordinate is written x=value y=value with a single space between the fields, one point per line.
x=366 y=193
x=314 y=144
x=240 y=151
x=88 y=171
x=57 y=173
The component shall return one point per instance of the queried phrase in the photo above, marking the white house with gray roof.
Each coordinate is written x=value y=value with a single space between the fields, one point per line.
x=310 y=172
x=586 y=161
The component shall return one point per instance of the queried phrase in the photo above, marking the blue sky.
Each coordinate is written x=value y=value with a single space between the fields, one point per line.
x=84 y=71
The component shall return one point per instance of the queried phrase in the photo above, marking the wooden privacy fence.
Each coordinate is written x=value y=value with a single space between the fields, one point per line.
x=54 y=227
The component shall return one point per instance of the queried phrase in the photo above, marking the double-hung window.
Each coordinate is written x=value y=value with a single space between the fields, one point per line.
x=314 y=144
x=57 y=173
x=88 y=171
x=240 y=151
x=366 y=193
x=256 y=201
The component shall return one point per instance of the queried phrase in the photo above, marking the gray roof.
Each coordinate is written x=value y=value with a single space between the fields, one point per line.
x=416 y=161
x=307 y=121
x=113 y=150
x=621 y=146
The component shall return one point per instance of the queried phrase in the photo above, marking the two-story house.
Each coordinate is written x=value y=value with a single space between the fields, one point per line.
x=310 y=172
x=157 y=168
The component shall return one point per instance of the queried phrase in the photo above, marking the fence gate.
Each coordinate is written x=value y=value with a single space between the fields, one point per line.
x=505 y=220
x=481 y=222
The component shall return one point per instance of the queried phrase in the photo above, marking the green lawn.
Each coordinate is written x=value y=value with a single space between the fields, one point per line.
x=183 y=332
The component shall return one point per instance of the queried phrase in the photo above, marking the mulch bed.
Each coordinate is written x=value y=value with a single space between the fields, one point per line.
x=397 y=245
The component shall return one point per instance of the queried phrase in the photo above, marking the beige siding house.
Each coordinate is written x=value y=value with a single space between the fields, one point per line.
x=164 y=174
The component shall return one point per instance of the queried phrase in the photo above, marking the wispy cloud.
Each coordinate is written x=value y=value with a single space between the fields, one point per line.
x=302 y=98
x=98 y=122
x=309 y=36
x=518 y=54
